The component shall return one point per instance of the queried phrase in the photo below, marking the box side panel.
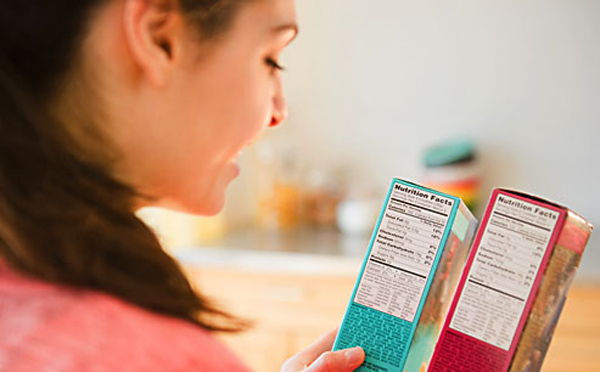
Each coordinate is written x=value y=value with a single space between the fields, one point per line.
x=551 y=297
x=442 y=290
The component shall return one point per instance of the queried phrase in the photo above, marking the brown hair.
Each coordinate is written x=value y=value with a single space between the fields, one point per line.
x=63 y=217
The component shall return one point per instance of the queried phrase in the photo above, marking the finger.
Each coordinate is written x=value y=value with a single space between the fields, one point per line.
x=322 y=344
x=312 y=352
x=338 y=361
x=308 y=355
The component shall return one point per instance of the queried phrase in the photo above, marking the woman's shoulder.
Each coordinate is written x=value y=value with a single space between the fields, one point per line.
x=46 y=325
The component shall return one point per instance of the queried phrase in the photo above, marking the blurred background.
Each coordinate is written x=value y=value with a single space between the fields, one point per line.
x=464 y=96
x=373 y=87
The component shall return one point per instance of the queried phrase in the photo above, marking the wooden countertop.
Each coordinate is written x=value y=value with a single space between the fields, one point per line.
x=575 y=346
x=291 y=309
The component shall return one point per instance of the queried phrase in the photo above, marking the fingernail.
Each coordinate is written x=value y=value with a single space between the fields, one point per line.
x=354 y=356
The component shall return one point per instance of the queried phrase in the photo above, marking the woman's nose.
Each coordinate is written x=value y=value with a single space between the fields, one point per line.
x=277 y=119
x=280 y=111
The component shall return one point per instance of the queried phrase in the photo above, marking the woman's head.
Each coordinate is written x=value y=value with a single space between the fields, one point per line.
x=109 y=104
x=178 y=101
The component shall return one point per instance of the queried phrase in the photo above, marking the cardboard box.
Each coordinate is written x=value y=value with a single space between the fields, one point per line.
x=408 y=277
x=513 y=288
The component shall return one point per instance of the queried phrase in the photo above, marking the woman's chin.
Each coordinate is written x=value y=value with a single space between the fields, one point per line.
x=207 y=203
x=213 y=208
x=211 y=203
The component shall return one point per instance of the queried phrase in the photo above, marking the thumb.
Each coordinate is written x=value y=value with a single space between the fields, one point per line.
x=338 y=361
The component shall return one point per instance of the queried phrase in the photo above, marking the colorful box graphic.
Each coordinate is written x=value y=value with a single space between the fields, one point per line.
x=513 y=288
x=408 y=277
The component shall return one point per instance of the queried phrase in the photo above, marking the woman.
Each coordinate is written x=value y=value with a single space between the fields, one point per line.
x=107 y=106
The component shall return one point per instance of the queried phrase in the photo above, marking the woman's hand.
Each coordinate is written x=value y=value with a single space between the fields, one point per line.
x=318 y=357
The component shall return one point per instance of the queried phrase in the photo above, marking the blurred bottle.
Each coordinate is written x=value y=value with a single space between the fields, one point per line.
x=321 y=195
x=452 y=167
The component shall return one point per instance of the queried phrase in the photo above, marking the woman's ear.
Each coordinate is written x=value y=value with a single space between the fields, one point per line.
x=154 y=34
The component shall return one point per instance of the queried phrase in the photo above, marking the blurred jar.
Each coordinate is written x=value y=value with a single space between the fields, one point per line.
x=452 y=167
x=357 y=211
x=356 y=216
x=278 y=180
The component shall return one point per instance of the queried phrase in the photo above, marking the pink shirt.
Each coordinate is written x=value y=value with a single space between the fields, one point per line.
x=47 y=328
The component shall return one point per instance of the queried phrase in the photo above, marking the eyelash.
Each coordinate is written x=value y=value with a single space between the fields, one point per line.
x=272 y=63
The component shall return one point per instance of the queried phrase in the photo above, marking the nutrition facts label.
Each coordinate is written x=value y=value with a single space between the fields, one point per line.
x=503 y=271
x=404 y=250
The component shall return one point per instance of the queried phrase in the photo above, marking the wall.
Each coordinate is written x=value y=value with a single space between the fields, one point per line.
x=371 y=83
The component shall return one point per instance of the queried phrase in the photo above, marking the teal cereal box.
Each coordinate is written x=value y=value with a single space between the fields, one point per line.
x=408 y=277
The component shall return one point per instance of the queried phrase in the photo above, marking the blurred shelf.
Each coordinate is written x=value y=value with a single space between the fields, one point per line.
x=302 y=251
